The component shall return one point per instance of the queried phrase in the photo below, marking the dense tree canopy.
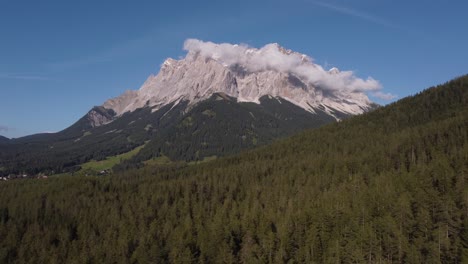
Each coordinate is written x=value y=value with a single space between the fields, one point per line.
x=389 y=187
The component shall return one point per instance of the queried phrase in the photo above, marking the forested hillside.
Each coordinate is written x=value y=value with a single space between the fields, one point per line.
x=66 y=150
x=222 y=126
x=390 y=186
x=216 y=127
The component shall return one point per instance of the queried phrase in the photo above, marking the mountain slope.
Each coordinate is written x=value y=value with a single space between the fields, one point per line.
x=4 y=139
x=388 y=186
x=65 y=150
x=215 y=127
x=221 y=126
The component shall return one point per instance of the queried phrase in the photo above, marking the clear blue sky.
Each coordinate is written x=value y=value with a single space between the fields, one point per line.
x=60 y=58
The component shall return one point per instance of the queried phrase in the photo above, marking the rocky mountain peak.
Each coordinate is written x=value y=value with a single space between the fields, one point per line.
x=247 y=74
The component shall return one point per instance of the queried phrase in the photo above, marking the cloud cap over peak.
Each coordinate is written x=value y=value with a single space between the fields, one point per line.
x=274 y=57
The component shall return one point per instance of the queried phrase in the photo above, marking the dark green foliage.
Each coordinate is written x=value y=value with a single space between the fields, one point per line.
x=79 y=143
x=216 y=127
x=386 y=187
x=221 y=126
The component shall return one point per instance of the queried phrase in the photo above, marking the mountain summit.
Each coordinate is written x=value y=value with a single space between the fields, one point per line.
x=247 y=74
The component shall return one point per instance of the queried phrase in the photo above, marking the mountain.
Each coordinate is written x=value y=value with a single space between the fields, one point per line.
x=220 y=125
x=4 y=139
x=197 y=77
x=66 y=150
x=386 y=186
x=201 y=106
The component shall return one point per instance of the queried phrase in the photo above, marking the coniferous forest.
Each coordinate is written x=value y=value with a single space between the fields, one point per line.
x=390 y=186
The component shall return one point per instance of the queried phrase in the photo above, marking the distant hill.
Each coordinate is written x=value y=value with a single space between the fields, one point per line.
x=4 y=139
x=387 y=186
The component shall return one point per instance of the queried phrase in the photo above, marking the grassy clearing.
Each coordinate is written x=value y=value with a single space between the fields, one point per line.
x=205 y=159
x=109 y=162
x=163 y=160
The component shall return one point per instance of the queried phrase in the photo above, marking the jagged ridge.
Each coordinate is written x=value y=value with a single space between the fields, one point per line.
x=196 y=77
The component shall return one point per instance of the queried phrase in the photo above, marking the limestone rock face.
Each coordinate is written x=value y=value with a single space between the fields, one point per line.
x=99 y=116
x=197 y=76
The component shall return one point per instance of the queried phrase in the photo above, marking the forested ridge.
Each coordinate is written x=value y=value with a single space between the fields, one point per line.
x=66 y=150
x=390 y=186
x=216 y=127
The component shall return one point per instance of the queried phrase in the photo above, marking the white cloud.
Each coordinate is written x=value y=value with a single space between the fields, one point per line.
x=384 y=96
x=355 y=13
x=4 y=128
x=274 y=57
x=48 y=132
